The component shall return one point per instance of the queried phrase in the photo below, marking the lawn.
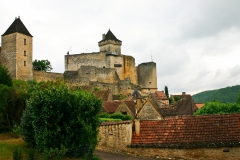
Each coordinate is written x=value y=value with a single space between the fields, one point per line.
x=8 y=143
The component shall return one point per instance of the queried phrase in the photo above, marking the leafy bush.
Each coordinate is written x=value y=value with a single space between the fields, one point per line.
x=31 y=154
x=12 y=104
x=120 y=116
x=59 y=120
x=104 y=115
x=16 y=130
x=5 y=76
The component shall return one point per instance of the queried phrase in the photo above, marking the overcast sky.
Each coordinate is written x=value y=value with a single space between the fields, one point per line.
x=196 y=44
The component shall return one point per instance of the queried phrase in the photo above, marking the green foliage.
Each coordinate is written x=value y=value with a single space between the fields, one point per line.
x=16 y=130
x=170 y=100
x=238 y=99
x=166 y=91
x=5 y=76
x=59 y=120
x=12 y=104
x=225 y=95
x=42 y=65
x=17 y=154
x=120 y=116
x=218 y=108
x=104 y=115
x=96 y=89
x=31 y=154
x=176 y=98
x=121 y=96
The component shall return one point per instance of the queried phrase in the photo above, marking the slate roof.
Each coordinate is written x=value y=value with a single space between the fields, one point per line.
x=190 y=132
x=110 y=106
x=110 y=36
x=17 y=26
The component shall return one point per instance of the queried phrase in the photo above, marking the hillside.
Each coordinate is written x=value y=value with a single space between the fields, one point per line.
x=226 y=95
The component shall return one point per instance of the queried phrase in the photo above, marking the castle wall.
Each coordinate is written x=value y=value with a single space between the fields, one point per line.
x=74 y=62
x=8 y=53
x=130 y=69
x=24 y=57
x=46 y=76
x=147 y=76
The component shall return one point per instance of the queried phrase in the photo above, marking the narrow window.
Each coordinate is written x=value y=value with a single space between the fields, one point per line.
x=25 y=41
x=24 y=63
x=25 y=53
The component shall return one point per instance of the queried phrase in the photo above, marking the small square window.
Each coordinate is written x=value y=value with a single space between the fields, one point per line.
x=25 y=54
x=25 y=41
x=24 y=63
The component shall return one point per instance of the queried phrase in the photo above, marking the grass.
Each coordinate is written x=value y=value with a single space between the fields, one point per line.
x=9 y=142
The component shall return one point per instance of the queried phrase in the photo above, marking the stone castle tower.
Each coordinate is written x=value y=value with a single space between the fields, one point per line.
x=110 y=69
x=16 y=51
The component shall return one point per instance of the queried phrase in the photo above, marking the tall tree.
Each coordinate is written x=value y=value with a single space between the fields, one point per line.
x=238 y=99
x=166 y=91
x=5 y=76
x=42 y=65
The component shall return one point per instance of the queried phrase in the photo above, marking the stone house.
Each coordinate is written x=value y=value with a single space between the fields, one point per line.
x=182 y=137
x=110 y=106
x=127 y=108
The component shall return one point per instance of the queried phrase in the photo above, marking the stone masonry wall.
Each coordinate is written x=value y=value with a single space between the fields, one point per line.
x=8 y=54
x=116 y=137
x=74 y=62
x=46 y=76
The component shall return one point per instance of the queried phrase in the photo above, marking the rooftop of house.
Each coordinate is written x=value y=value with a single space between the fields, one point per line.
x=17 y=26
x=110 y=106
x=161 y=95
x=190 y=132
x=131 y=106
x=185 y=107
x=110 y=36
x=199 y=105
x=183 y=95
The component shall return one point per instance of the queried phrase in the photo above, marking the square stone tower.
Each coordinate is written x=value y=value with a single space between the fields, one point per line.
x=16 y=51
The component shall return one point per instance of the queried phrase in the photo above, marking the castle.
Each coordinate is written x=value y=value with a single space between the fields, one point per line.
x=106 y=69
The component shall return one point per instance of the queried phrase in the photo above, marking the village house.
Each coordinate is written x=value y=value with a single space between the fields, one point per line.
x=180 y=137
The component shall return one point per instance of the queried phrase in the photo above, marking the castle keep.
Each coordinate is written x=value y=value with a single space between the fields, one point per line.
x=106 y=69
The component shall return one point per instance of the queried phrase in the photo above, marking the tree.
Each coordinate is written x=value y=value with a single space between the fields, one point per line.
x=218 y=108
x=13 y=102
x=238 y=99
x=5 y=76
x=42 y=65
x=166 y=91
x=57 y=119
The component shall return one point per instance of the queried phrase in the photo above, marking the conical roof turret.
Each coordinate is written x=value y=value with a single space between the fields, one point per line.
x=17 y=26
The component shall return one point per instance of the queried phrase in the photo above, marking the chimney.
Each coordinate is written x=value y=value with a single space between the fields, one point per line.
x=103 y=36
x=183 y=93
x=137 y=125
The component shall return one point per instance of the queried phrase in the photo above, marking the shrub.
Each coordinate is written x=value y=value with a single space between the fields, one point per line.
x=16 y=130
x=5 y=76
x=109 y=120
x=60 y=120
x=120 y=116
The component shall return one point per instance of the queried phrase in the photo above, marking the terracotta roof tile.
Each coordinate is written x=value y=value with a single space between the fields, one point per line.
x=190 y=132
x=161 y=95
